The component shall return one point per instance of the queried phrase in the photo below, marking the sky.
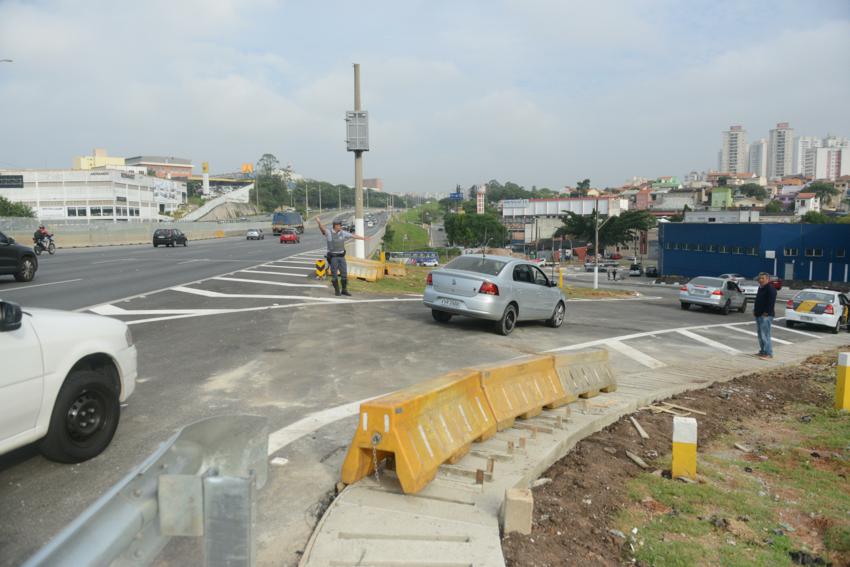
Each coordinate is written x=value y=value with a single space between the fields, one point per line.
x=539 y=92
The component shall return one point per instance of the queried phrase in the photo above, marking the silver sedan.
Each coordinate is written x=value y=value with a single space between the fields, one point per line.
x=715 y=293
x=495 y=288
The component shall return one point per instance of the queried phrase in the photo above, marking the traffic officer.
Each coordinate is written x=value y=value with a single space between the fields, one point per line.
x=336 y=253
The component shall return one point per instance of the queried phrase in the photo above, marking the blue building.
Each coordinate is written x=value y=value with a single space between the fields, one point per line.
x=815 y=252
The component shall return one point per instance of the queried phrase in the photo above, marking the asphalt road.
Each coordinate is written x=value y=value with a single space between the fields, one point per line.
x=238 y=327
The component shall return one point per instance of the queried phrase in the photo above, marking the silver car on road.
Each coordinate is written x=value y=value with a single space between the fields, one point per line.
x=715 y=293
x=496 y=288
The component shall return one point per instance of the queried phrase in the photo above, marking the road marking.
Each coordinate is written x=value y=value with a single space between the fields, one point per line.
x=245 y=280
x=7 y=289
x=709 y=342
x=290 y=262
x=273 y=273
x=121 y=260
x=814 y=336
x=641 y=298
x=635 y=354
x=114 y=310
x=290 y=267
x=746 y=332
x=208 y=293
x=307 y=425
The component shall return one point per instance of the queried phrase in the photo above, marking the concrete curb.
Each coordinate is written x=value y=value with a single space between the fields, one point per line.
x=454 y=521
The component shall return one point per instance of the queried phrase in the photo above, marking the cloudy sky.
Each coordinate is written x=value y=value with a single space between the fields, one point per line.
x=541 y=92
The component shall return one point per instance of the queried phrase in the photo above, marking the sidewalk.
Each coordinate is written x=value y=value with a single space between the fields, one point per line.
x=454 y=521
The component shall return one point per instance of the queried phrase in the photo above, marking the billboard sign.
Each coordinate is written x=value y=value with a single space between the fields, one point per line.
x=456 y=196
x=11 y=181
x=515 y=203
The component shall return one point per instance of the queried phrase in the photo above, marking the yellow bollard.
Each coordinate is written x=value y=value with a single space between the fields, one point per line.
x=561 y=279
x=684 y=447
x=321 y=269
x=383 y=256
x=842 y=382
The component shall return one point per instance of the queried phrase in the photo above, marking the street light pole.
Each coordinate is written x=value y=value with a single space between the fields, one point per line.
x=596 y=245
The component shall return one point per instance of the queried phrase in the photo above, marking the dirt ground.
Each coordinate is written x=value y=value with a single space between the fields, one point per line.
x=575 y=514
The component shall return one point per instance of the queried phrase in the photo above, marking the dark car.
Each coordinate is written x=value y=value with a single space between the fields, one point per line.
x=651 y=272
x=17 y=260
x=169 y=237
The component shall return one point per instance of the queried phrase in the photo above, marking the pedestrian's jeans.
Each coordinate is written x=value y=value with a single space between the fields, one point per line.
x=339 y=265
x=763 y=324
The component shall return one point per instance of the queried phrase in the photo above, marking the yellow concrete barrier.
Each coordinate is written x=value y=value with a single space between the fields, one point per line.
x=219 y=233
x=842 y=382
x=585 y=374
x=368 y=270
x=684 y=448
x=522 y=388
x=422 y=427
x=395 y=269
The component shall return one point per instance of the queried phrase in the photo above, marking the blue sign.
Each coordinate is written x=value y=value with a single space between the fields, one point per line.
x=456 y=196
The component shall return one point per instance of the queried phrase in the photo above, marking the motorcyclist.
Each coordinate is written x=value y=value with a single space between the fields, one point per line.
x=41 y=236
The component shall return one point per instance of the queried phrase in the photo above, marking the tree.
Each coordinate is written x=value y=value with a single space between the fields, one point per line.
x=267 y=165
x=475 y=230
x=622 y=229
x=753 y=190
x=825 y=191
x=583 y=187
x=10 y=209
x=773 y=207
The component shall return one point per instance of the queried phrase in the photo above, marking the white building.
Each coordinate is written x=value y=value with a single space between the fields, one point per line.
x=806 y=203
x=733 y=153
x=780 y=151
x=529 y=220
x=827 y=162
x=95 y=195
x=757 y=158
x=802 y=145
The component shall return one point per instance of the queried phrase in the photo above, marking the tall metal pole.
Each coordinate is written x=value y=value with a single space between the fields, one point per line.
x=339 y=197
x=596 y=245
x=306 y=199
x=320 y=198
x=359 y=226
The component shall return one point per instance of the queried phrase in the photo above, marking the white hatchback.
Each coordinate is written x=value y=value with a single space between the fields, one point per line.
x=819 y=307
x=64 y=377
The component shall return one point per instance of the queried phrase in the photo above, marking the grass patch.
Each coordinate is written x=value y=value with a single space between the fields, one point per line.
x=795 y=499
x=406 y=236
x=572 y=292
x=412 y=282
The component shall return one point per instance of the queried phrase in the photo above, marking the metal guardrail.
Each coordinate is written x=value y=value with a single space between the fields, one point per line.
x=201 y=482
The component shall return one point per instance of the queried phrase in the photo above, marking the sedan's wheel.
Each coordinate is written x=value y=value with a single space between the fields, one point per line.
x=185 y=243
x=726 y=307
x=685 y=306
x=743 y=307
x=508 y=321
x=557 y=318
x=83 y=420
x=789 y=323
x=155 y=245
x=441 y=316
x=26 y=271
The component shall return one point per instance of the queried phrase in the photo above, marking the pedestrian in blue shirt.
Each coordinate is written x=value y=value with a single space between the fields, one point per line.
x=763 y=312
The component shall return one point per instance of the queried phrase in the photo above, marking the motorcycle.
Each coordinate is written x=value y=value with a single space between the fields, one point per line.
x=43 y=244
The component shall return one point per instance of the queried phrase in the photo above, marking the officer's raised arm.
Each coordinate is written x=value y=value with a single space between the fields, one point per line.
x=321 y=226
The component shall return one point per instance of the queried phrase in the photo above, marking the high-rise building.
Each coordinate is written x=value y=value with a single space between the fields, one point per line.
x=780 y=151
x=757 y=159
x=733 y=155
x=827 y=163
x=801 y=145
x=835 y=142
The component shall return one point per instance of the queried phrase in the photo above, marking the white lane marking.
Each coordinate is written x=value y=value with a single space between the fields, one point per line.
x=121 y=260
x=641 y=298
x=746 y=332
x=271 y=273
x=290 y=267
x=290 y=262
x=307 y=425
x=709 y=342
x=311 y=302
x=636 y=355
x=814 y=336
x=208 y=293
x=244 y=280
x=7 y=289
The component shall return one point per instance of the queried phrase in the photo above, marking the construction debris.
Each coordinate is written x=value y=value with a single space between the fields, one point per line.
x=643 y=434
x=637 y=460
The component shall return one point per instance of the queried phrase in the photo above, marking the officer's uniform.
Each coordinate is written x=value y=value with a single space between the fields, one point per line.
x=336 y=258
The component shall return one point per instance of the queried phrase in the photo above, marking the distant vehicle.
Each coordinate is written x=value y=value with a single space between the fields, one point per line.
x=651 y=272
x=287 y=219
x=733 y=277
x=722 y=294
x=289 y=235
x=776 y=282
x=44 y=244
x=64 y=377
x=17 y=260
x=818 y=307
x=616 y=256
x=749 y=287
x=169 y=237
x=255 y=234
x=588 y=267
x=495 y=288
x=428 y=259
x=636 y=270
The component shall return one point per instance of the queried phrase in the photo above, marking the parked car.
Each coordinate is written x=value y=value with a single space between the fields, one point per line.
x=636 y=270
x=715 y=293
x=17 y=260
x=749 y=287
x=169 y=237
x=289 y=235
x=588 y=267
x=616 y=256
x=651 y=272
x=733 y=277
x=818 y=307
x=64 y=377
x=776 y=282
x=255 y=234
x=495 y=288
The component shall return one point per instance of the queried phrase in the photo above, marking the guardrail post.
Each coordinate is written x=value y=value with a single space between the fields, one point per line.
x=228 y=518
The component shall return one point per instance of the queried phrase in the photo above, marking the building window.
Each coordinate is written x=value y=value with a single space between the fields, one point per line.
x=753 y=251
x=72 y=211
x=686 y=246
x=814 y=252
x=723 y=249
x=81 y=211
x=107 y=211
x=667 y=246
x=95 y=211
x=791 y=252
x=737 y=250
x=711 y=248
x=839 y=252
x=698 y=248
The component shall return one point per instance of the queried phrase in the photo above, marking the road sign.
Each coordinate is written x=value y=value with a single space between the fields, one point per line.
x=357 y=131
x=456 y=196
x=515 y=203
x=11 y=181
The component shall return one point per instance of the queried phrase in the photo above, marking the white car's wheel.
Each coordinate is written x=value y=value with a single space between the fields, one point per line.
x=508 y=321
x=557 y=318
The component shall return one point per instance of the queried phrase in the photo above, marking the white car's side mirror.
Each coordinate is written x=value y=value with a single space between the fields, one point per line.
x=10 y=316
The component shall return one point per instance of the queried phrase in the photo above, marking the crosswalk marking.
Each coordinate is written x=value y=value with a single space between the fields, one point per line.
x=746 y=332
x=285 y=284
x=709 y=342
x=217 y=294
x=799 y=332
x=635 y=354
x=271 y=273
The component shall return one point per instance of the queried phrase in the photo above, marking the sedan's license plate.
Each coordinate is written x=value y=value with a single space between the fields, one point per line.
x=449 y=302
x=806 y=318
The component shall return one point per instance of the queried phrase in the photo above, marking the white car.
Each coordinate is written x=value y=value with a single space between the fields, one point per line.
x=255 y=234
x=820 y=307
x=63 y=378
x=750 y=288
x=733 y=277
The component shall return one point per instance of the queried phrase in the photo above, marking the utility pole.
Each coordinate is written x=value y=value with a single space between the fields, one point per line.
x=320 y=198
x=596 y=245
x=339 y=197
x=359 y=227
x=306 y=199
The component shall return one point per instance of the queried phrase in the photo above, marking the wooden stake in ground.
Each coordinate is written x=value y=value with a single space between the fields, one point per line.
x=643 y=434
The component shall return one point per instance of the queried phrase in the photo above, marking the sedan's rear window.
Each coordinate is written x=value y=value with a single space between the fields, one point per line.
x=487 y=266
x=814 y=296
x=163 y=232
x=708 y=282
